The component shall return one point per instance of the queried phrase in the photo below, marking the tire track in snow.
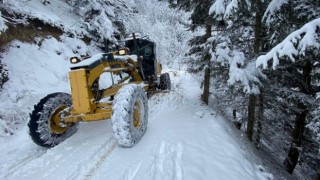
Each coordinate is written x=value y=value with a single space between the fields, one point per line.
x=14 y=167
x=111 y=145
x=168 y=163
x=131 y=173
x=54 y=163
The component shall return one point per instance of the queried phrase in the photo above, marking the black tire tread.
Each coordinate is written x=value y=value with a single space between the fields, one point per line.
x=165 y=82
x=34 y=118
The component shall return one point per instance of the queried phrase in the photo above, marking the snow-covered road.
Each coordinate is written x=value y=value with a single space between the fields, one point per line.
x=184 y=140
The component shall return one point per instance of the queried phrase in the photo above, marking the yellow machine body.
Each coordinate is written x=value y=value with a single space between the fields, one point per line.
x=86 y=107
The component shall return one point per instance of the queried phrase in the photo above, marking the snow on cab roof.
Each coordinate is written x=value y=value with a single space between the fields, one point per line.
x=96 y=59
x=137 y=35
x=89 y=61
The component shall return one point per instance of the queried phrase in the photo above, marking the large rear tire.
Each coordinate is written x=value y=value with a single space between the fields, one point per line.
x=165 y=82
x=129 y=115
x=44 y=125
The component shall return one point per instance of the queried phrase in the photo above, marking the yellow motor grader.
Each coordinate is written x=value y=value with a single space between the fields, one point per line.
x=56 y=116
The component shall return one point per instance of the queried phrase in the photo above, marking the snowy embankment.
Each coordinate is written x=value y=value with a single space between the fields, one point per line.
x=42 y=67
x=184 y=141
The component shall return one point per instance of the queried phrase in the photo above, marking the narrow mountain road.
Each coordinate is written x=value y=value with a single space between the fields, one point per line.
x=184 y=140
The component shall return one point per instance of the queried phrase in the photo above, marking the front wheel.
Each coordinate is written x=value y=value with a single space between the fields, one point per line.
x=129 y=115
x=165 y=82
x=44 y=125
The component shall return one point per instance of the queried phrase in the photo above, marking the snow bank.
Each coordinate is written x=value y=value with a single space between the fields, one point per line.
x=297 y=43
x=58 y=13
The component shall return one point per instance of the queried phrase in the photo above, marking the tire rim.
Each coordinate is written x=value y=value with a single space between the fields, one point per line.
x=55 y=121
x=137 y=114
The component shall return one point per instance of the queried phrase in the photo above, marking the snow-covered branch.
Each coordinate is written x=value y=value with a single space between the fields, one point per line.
x=231 y=7
x=273 y=7
x=218 y=9
x=295 y=44
x=224 y=9
x=3 y=26
x=235 y=60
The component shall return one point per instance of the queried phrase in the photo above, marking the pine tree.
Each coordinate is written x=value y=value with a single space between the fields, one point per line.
x=243 y=33
x=294 y=82
x=200 y=61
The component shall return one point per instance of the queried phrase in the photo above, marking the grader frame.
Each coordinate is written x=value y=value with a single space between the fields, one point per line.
x=82 y=78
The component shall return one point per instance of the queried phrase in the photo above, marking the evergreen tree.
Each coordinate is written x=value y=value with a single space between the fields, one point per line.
x=199 y=53
x=278 y=106
x=293 y=85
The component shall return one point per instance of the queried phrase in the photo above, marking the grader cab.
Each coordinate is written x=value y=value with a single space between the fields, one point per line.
x=56 y=116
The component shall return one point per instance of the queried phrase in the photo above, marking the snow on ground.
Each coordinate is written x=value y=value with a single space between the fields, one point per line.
x=179 y=144
x=58 y=13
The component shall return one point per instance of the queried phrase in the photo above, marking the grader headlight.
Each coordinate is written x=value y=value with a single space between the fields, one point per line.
x=74 y=60
x=122 y=52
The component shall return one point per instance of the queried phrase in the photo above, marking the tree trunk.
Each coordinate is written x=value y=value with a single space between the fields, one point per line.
x=208 y=31
x=300 y=122
x=256 y=48
x=258 y=31
x=259 y=119
x=251 y=113
x=292 y=158
x=293 y=155
x=206 y=85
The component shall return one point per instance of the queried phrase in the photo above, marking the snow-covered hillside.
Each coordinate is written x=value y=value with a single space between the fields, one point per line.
x=39 y=68
x=28 y=84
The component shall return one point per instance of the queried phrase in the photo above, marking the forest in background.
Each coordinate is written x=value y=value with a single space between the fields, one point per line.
x=259 y=61
x=260 y=65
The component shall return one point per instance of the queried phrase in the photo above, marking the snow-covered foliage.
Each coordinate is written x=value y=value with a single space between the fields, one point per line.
x=235 y=60
x=218 y=9
x=163 y=26
x=57 y=13
x=296 y=44
x=96 y=15
x=314 y=125
x=241 y=32
x=3 y=26
x=225 y=9
x=294 y=63
x=273 y=7
x=90 y=18
x=228 y=45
